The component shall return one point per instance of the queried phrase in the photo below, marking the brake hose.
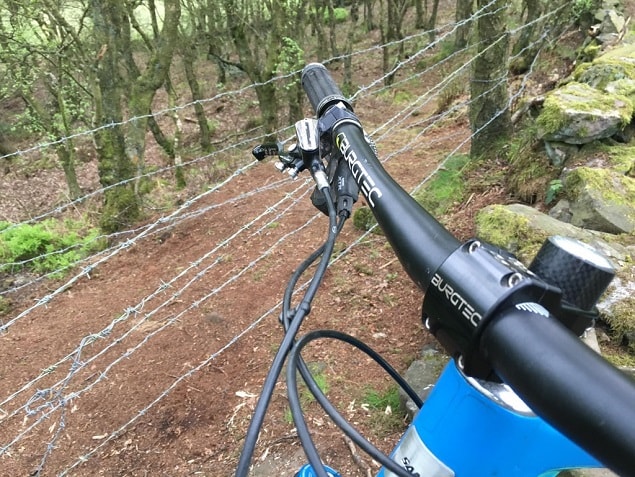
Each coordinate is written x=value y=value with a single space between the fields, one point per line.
x=242 y=469
x=295 y=361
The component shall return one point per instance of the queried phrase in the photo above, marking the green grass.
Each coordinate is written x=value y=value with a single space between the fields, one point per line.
x=381 y=400
x=306 y=397
x=384 y=408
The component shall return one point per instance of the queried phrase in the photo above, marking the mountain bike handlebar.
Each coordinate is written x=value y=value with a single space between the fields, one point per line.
x=491 y=313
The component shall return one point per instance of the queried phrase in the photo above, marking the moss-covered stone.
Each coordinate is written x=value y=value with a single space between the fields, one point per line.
x=522 y=230
x=501 y=226
x=623 y=87
x=601 y=199
x=615 y=64
x=579 y=114
x=621 y=158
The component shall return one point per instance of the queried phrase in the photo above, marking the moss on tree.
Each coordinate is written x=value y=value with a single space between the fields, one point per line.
x=121 y=209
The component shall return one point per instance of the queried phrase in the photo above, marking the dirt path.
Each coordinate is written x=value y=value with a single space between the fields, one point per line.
x=151 y=366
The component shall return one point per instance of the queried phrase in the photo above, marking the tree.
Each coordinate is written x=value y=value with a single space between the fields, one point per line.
x=464 y=10
x=490 y=117
x=45 y=63
x=122 y=85
x=258 y=31
x=144 y=84
x=394 y=12
x=526 y=48
x=116 y=170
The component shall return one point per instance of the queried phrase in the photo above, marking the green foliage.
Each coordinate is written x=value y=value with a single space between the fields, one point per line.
x=291 y=57
x=444 y=50
x=320 y=379
x=306 y=397
x=5 y=305
x=47 y=246
x=385 y=417
x=381 y=400
x=363 y=219
x=340 y=15
x=554 y=189
x=582 y=8
x=446 y=188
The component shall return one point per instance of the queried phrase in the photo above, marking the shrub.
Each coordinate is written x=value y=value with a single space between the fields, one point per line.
x=48 y=246
x=340 y=15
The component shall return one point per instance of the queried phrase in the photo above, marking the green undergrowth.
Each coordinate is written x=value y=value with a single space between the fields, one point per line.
x=444 y=190
x=305 y=395
x=384 y=408
x=48 y=246
x=446 y=187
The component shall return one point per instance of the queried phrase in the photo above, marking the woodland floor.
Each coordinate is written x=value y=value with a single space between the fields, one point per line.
x=197 y=425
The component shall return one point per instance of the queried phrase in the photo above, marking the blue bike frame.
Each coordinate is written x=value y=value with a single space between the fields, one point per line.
x=469 y=427
x=473 y=427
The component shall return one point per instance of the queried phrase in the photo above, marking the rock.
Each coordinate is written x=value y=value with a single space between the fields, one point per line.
x=421 y=375
x=601 y=200
x=559 y=152
x=578 y=114
x=561 y=211
x=623 y=86
x=613 y=22
x=522 y=230
x=617 y=307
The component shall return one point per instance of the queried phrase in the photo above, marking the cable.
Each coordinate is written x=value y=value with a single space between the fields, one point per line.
x=296 y=362
x=286 y=315
x=302 y=311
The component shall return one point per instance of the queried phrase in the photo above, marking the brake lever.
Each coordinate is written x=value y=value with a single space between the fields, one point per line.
x=289 y=160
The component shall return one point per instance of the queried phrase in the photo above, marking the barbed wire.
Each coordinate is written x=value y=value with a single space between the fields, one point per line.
x=55 y=398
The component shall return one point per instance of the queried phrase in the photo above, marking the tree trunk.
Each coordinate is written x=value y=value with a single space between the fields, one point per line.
x=188 y=58
x=464 y=10
x=489 y=110
x=432 y=22
x=177 y=161
x=420 y=13
x=145 y=86
x=332 y=29
x=395 y=12
x=262 y=47
x=369 y=19
x=317 y=22
x=347 y=85
x=66 y=156
x=525 y=50
x=121 y=205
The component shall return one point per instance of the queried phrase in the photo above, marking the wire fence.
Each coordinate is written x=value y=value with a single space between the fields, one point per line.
x=39 y=406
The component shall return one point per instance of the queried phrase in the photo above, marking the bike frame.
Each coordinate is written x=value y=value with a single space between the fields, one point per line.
x=473 y=427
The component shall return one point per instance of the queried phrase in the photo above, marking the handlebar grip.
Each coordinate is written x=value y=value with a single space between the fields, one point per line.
x=565 y=382
x=320 y=88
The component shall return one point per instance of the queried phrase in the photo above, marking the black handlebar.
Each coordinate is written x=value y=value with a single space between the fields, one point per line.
x=320 y=88
x=558 y=376
x=565 y=382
